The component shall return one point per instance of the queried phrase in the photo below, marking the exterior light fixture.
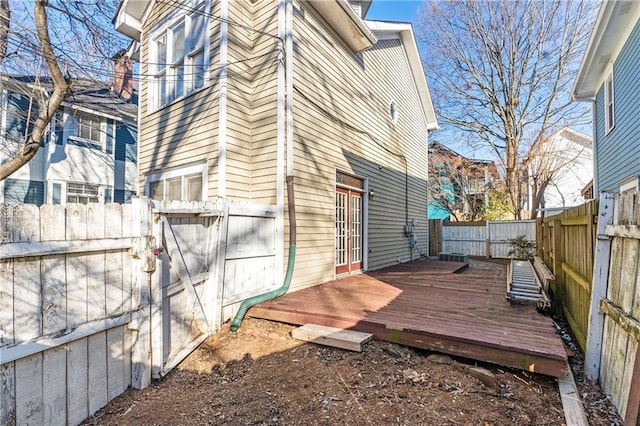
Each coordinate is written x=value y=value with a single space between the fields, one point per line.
x=372 y=194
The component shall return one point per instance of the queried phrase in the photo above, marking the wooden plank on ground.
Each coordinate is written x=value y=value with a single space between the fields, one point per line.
x=331 y=336
x=574 y=414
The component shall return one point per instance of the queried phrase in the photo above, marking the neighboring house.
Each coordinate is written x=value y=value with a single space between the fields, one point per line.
x=238 y=94
x=567 y=156
x=608 y=77
x=458 y=186
x=88 y=154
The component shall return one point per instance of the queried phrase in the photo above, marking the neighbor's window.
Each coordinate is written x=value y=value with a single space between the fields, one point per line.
x=609 y=115
x=82 y=193
x=88 y=127
x=185 y=184
x=179 y=55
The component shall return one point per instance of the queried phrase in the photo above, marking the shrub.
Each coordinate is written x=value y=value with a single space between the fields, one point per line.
x=522 y=248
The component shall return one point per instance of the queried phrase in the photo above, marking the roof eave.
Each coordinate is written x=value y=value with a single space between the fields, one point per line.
x=346 y=23
x=613 y=26
x=130 y=17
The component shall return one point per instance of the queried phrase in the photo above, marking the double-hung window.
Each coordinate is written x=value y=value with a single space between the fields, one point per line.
x=88 y=127
x=609 y=113
x=180 y=55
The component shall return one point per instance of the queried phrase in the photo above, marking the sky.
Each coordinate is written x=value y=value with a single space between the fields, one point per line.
x=394 y=10
x=407 y=11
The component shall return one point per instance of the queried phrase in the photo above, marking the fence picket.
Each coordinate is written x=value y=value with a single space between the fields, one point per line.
x=29 y=403
x=54 y=306
x=54 y=390
x=7 y=371
x=54 y=289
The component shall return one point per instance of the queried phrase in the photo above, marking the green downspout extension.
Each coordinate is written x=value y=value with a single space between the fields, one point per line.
x=237 y=320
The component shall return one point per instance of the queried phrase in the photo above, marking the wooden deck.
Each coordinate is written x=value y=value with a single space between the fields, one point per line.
x=426 y=304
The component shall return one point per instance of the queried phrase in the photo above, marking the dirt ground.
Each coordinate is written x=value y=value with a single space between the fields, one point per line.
x=261 y=376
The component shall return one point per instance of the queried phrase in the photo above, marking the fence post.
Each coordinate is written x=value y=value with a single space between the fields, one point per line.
x=488 y=243
x=539 y=238
x=558 y=257
x=599 y=287
x=141 y=319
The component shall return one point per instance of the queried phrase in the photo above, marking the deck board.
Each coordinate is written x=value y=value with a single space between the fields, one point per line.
x=426 y=304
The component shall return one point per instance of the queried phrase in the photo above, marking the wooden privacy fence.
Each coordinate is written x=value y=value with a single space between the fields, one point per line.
x=488 y=239
x=66 y=286
x=613 y=353
x=566 y=243
x=97 y=298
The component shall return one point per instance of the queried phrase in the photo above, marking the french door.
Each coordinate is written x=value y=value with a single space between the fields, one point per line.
x=349 y=247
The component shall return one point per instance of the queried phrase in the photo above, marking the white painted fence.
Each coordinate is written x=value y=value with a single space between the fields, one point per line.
x=97 y=298
x=66 y=280
x=488 y=239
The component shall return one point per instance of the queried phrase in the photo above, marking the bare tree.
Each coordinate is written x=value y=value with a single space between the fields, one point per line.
x=74 y=43
x=5 y=20
x=503 y=70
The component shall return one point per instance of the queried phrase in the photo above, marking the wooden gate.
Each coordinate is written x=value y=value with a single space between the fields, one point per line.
x=208 y=260
x=614 y=329
x=184 y=290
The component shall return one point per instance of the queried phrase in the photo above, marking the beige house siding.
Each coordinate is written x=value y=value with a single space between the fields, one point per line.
x=251 y=143
x=185 y=131
x=342 y=122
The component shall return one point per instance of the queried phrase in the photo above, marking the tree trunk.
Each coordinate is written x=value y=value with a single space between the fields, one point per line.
x=61 y=87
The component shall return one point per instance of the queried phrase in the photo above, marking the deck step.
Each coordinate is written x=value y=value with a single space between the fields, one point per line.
x=331 y=336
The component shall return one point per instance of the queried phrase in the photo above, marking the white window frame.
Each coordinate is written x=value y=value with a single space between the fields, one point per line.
x=609 y=103
x=164 y=75
x=183 y=173
x=97 y=196
x=630 y=184
x=71 y=130
x=80 y=116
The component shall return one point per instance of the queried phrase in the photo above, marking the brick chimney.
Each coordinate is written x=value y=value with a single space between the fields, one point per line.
x=123 y=75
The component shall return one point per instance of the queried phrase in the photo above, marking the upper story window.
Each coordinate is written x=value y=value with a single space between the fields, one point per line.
x=179 y=55
x=609 y=113
x=88 y=127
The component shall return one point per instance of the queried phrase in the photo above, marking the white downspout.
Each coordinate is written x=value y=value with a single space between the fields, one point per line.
x=222 y=103
x=289 y=83
x=280 y=143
